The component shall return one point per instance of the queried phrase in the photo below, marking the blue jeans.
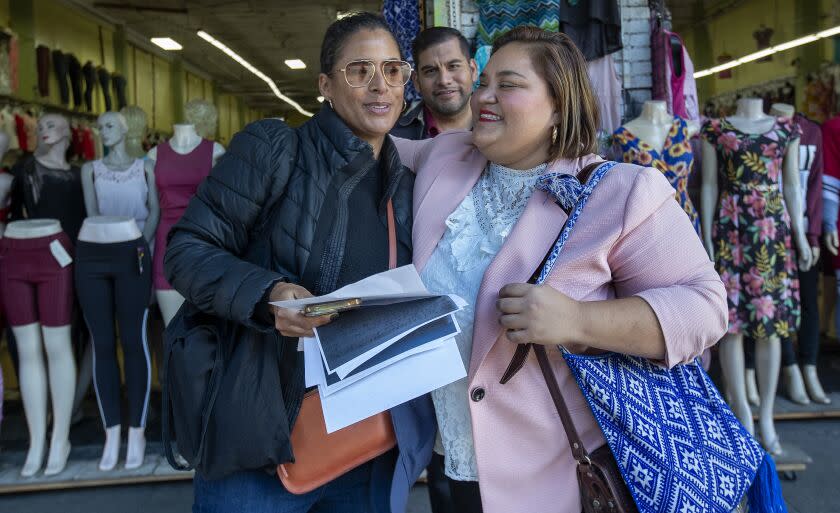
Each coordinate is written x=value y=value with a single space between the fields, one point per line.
x=260 y=492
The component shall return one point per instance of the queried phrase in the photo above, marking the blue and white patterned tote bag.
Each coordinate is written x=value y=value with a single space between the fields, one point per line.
x=677 y=444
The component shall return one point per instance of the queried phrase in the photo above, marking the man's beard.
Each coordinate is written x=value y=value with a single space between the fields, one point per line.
x=449 y=108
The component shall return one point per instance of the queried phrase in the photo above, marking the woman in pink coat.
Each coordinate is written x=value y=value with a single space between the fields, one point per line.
x=633 y=277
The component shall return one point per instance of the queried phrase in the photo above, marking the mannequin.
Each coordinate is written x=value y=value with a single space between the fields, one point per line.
x=189 y=152
x=26 y=250
x=752 y=123
x=113 y=262
x=46 y=185
x=137 y=122
x=661 y=140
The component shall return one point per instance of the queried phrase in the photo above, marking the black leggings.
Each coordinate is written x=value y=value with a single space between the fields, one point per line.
x=116 y=279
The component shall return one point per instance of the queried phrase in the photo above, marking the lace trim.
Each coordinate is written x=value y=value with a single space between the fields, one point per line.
x=103 y=172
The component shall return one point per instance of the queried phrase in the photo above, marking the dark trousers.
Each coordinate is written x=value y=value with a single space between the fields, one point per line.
x=114 y=282
x=466 y=496
x=440 y=497
x=260 y=492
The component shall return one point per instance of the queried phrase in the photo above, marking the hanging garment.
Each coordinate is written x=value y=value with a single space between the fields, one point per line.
x=674 y=160
x=114 y=282
x=74 y=70
x=679 y=91
x=403 y=16
x=105 y=83
x=14 y=61
x=811 y=177
x=6 y=72
x=59 y=61
x=45 y=193
x=831 y=178
x=594 y=26
x=120 y=84
x=751 y=234
x=88 y=145
x=820 y=99
x=177 y=177
x=42 y=59
x=89 y=74
x=30 y=130
x=607 y=89
x=122 y=193
x=495 y=17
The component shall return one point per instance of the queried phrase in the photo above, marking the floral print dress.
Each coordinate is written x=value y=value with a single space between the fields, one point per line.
x=674 y=160
x=751 y=234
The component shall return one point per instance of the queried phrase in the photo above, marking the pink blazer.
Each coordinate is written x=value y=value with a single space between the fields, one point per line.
x=631 y=239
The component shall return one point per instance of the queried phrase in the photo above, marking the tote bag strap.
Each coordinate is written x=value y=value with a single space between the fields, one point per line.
x=579 y=451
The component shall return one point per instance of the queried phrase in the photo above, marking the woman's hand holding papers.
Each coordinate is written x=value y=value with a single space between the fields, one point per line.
x=292 y=323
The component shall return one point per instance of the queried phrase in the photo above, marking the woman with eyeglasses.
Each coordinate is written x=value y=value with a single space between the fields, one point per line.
x=326 y=188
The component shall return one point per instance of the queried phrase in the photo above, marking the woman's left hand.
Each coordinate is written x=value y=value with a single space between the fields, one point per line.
x=538 y=314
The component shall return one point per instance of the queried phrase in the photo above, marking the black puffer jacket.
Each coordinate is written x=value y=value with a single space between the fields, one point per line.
x=294 y=173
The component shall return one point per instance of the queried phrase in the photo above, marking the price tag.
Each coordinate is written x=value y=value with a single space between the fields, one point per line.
x=60 y=254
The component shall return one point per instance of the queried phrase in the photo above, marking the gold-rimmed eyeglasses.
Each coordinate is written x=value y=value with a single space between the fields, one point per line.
x=359 y=73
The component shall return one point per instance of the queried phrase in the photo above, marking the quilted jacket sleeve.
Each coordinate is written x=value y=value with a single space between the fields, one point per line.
x=660 y=258
x=202 y=260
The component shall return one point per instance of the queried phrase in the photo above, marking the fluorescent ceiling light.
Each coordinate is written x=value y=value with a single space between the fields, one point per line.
x=167 y=43
x=247 y=65
x=320 y=99
x=295 y=64
x=810 y=38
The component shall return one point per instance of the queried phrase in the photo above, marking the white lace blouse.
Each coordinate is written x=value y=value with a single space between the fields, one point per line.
x=475 y=232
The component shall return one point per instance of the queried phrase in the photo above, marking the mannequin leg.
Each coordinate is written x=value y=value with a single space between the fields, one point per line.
x=791 y=376
x=749 y=375
x=62 y=368
x=111 y=450
x=33 y=391
x=96 y=296
x=732 y=363
x=169 y=302
x=132 y=295
x=83 y=380
x=768 y=359
x=809 y=335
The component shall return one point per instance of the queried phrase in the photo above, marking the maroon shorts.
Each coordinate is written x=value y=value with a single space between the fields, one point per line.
x=33 y=286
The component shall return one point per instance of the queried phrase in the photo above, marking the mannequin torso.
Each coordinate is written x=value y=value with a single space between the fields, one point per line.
x=113 y=128
x=750 y=118
x=654 y=124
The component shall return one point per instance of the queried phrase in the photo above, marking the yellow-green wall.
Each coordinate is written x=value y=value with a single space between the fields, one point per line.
x=154 y=82
x=732 y=33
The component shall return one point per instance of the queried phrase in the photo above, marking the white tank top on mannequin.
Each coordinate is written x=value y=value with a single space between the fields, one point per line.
x=32 y=228
x=122 y=193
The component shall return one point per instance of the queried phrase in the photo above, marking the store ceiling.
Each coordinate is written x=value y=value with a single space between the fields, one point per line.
x=263 y=32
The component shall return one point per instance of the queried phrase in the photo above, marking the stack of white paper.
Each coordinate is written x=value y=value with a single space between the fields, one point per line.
x=399 y=345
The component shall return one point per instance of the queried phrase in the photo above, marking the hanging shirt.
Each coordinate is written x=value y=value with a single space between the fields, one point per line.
x=811 y=177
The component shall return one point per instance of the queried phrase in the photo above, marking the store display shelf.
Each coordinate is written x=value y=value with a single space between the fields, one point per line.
x=84 y=473
x=785 y=409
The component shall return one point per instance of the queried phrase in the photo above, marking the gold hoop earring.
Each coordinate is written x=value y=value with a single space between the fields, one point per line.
x=554 y=135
